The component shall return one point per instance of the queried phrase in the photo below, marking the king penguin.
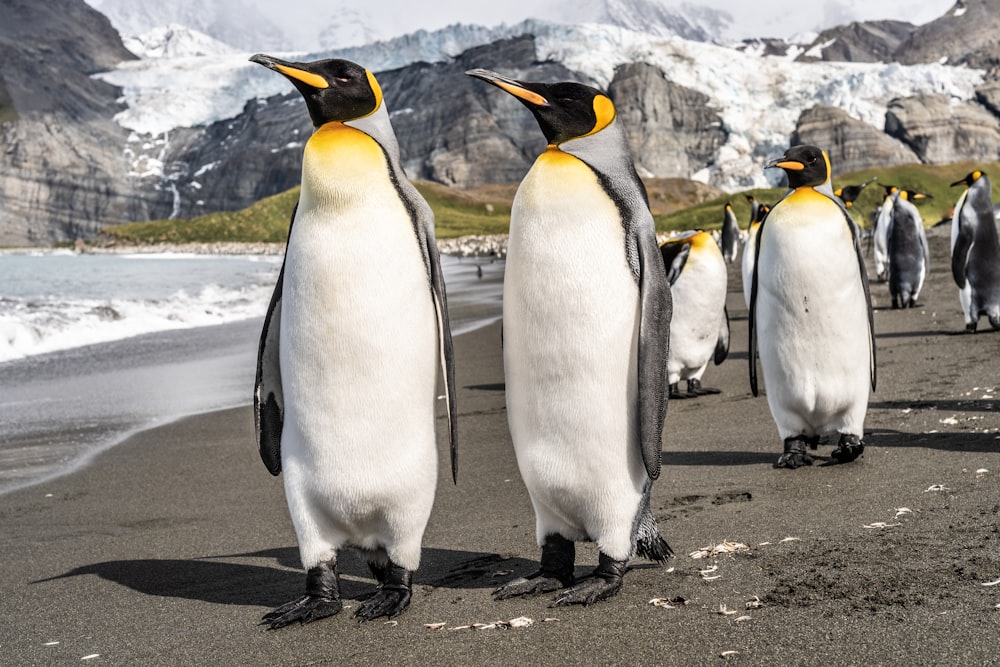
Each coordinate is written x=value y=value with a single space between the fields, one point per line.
x=849 y=193
x=730 y=238
x=975 y=252
x=880 y=239
x=906 y=245
x=586 y=316
x=348 y=361
x=699 y=328
x=810 y=314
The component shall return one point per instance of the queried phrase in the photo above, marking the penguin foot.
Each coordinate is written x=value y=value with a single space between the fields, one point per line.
x=305 y=609
x=695 y=388
x=605 y=582
x=795 y=455
x=849 y=448
x=971 y=327
x=322 y=599
x=676 y=394
x=558 y=556
x=392 y=596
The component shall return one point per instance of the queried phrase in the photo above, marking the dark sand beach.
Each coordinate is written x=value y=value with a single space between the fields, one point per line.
x=166 y=549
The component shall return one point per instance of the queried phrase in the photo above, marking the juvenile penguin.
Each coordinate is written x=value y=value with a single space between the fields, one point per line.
x=811 y=316
x=586 y=315
x=909 y=258
x=880 y=239
x=750 y=249
x=730 y=240
x=348 y=361
x=849 y=193
x=975 y=252
x=699 y=328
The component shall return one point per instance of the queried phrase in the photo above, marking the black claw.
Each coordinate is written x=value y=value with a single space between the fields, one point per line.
x=392 y=596
x=849 y=448
x=558 y=556
x=795 y=455
x=603 y=583
x=322 y=599
x=695 y=388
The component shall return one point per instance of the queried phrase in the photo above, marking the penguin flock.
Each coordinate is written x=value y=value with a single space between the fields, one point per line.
x=351 y=356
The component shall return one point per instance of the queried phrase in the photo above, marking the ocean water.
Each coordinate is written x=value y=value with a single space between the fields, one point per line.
x=94 y=348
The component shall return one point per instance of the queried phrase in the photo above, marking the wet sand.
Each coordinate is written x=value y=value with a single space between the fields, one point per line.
x=167 y=549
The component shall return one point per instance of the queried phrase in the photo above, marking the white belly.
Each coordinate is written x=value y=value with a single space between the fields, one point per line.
x=699 y=297
x=570 y=317
x=358 y=354
x=812 y=323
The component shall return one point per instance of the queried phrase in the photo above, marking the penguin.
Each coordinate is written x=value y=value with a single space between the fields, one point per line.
x=810 y=314
x=699 y=328
x=749 y=250
x=880 y=240
x=754 y=207
x=975 y=252
x=906 y=245
x=586 y=317
x=849 y=193
x=345 y=392
x=730 y=240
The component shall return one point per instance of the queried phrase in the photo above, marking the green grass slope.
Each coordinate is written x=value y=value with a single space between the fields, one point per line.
x=486 y=210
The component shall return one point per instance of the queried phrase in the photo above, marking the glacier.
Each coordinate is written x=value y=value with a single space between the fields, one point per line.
x=759 y=97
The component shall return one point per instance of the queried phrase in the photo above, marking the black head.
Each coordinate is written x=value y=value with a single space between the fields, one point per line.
x=564 y=110
x=334 y=90
x=805 y=166
x=969 y=179
x=913 y=195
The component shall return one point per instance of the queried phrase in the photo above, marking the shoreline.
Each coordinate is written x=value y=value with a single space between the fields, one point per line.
x=167 y=548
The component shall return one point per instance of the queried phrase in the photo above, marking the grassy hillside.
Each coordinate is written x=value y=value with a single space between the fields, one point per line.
x=677 y=205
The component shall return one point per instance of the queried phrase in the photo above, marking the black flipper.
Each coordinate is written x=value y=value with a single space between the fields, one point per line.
x=960 y=250
x=268 y=399
x=675 y=256
x=654 y=347
x=752 y=343
x=856 y=238
x=722 y=344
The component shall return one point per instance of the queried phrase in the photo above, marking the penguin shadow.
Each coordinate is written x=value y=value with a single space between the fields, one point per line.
x=947 y=441
x=971 y=405
x=496 y=386
x=716 y=458
x=212 y=579
x=916 y=334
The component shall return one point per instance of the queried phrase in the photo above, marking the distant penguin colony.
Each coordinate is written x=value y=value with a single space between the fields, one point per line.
x=975 y=252
x=699 y=330
x=586 y=326
x=345 y=404
x=601 y=324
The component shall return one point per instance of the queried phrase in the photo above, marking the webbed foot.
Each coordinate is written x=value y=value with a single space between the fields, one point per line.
x=795 y=455
x=322 y=599
x=392 y=596
x=605 y=582
x=695 y=388
x=676 y=394
x=558 y=555
x=849 y=448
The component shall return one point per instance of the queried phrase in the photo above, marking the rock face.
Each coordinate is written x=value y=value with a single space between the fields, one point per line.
x=859 y=42
x=56 y=126
x=671 y=129
x=850 y=143
x=965 y=35
x=940 y=130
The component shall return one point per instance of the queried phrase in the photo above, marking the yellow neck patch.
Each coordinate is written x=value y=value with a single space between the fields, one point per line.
x=377 y=89
x=604 y=111
x=308 y=78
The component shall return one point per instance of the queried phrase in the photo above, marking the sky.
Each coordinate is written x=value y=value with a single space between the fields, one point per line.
x=751 y=18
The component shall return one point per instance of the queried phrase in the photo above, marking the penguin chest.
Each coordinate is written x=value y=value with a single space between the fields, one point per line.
x=570 y=315
x=358 y=329
x=811 y=314
x=699 y=297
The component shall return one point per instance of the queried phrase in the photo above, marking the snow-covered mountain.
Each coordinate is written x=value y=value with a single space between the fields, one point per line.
x=758 y=98
x=694 y=22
